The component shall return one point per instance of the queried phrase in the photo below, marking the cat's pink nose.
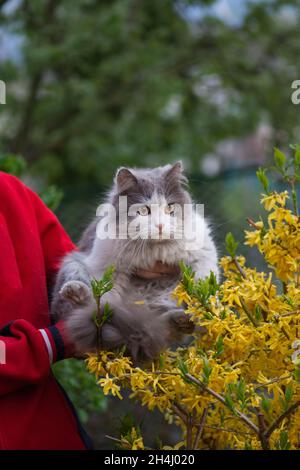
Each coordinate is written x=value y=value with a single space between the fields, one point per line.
x=160 y=228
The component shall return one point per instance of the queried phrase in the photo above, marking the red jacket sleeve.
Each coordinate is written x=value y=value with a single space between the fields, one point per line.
x=26 y=352
x=55 y=241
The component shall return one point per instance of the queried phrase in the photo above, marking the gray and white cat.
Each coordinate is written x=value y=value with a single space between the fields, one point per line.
x=146 y=318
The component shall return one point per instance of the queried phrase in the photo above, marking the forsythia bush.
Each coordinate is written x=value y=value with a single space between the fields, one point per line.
x=237 y=385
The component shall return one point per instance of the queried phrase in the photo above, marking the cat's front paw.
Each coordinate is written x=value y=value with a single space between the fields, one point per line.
x=76 y=292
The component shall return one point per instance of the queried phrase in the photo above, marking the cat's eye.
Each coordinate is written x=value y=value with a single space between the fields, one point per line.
x=169 y=209
x=144 y=210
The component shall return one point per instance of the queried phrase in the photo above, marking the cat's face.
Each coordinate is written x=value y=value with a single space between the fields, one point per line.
x=155 y=202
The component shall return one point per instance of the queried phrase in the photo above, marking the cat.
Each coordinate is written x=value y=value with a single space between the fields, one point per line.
x=146 y=319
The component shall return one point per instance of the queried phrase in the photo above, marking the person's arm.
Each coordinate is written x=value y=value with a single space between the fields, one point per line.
x=26 y=353
x=54 y=239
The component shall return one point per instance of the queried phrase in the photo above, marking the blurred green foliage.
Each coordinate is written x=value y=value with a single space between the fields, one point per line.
x=81 y=387
x=17 y=166
x=52 y=197
x=143 y=82
x=13 y=164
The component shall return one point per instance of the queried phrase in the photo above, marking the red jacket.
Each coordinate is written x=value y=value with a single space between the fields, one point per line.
x=34 y=411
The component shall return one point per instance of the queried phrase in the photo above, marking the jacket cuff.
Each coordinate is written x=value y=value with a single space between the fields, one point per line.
x=56 y=342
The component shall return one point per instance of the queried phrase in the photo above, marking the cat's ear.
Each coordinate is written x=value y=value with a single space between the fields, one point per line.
x=125 y=179
x=175 y=173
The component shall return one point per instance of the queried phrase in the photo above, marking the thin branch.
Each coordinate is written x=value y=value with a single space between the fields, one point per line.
x=217 y=428
x=257 y=386
x=247 y=312
x=283 y=329
x=200 y=429
x=287 y=314
x=120 y=442
x=189 y=433
x=264 y=440
x=294 y=196
x=280 y=418
x=219 y=397
x=113 y=439
x=252 y=224
x=179 y=412
x=239 y=267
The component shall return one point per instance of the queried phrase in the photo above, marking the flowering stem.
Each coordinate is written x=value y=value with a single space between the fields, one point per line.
x=219 y=397
x=239 y=267
x=280 y=418
x=283 y=329
x=98 y=325
x=287 y=314
x=245 y=308
x=252 y=223
x=217 y=428
x=294 y=196
x=247 y=312
x=257 y=386
x=119 y=441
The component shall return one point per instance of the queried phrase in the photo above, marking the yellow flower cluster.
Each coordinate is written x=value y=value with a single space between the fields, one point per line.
x=132 y=441
x=237 y=385
x=279 y=241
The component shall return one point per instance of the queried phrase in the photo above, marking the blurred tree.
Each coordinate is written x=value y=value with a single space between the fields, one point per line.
x=143 y=82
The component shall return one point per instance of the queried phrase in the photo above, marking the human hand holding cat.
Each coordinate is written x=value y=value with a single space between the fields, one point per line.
x=158 y=270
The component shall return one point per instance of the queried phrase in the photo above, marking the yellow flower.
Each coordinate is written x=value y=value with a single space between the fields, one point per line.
x=109 y=386
x=244 y=358
x=274 y=199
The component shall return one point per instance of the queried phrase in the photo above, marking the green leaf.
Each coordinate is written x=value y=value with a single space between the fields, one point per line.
x=231 y=244
x=182 y=367
x=297 y=374
x=229 y=402
x=283 y=441
x=288 y=395
x=187 y=277
x=280 y=159
x=107 y=313
x=266 y=404
x=127 y=422
x=206 y=370
x=241 y=391
x=105 y=284
x=258 y=314
x=262 y=178
x=297 y=157
x=219 y=347
x=204 y=288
